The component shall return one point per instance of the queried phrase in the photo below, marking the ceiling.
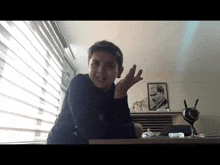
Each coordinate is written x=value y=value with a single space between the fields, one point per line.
x=168 y=51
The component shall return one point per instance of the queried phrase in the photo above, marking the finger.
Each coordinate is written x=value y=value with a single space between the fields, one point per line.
x=139 y=73
x=133 y=69
x=138 y=77
x=131 y=73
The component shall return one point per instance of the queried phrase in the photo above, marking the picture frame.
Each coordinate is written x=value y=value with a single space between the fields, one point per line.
x=157 y=96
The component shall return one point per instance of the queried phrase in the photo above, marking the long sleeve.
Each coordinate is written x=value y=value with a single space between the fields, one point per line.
x=125 y=127
x=83 y=104
x=86 y=103
x=121 y=105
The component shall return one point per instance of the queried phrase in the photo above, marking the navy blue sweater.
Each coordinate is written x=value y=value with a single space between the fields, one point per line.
x=89 y=113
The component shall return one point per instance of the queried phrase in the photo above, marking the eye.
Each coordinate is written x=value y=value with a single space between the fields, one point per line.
x=111 y=65
x=96 y=63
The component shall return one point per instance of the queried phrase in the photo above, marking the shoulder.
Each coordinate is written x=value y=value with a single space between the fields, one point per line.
x=81 y=76
x=81 y=82
x=80 y=79
x=81 y=88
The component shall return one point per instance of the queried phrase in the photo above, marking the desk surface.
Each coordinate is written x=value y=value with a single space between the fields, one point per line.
x=160 y=140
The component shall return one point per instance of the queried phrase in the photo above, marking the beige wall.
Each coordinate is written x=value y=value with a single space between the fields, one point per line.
x=185 y=54
x=208 y=105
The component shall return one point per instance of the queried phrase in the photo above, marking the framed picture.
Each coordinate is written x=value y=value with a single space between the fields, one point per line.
x=157 y=96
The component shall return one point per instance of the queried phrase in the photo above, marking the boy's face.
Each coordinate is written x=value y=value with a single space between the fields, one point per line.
x=103 y=70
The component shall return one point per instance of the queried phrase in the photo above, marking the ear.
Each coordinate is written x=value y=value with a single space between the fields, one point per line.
x=120 y=72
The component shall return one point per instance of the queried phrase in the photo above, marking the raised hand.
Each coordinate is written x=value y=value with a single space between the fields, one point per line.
x=123 y=85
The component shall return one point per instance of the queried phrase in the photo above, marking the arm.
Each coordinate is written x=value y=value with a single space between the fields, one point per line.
x=121 y=106
x=123 y=128
x=131 y=130
x=82 y=104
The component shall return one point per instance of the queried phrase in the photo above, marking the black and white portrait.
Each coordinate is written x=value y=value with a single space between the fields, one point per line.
x=157 y=96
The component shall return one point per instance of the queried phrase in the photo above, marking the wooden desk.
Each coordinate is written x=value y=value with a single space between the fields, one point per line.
x=159 y=140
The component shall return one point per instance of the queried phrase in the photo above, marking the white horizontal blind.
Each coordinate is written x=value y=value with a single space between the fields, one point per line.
x=30 y=81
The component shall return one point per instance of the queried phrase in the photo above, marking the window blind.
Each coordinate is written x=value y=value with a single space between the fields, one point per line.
x=31 y=73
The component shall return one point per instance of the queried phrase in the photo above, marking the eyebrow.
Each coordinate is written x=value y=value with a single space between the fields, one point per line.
x=110 y=62
x=97 y=60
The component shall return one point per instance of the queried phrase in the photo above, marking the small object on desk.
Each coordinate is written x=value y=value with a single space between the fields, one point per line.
x=191 y=115
x=176 y=135
x=148 y=133
x=201 y=135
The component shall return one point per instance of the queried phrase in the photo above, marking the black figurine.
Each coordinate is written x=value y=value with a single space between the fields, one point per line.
x=191 y=115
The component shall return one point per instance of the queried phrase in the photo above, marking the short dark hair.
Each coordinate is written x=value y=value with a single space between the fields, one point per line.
x=109 y=47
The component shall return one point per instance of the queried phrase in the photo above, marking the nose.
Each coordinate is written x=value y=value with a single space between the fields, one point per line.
x=102 y=69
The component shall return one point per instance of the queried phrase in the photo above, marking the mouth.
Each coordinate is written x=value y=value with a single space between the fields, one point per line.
x=101 y=79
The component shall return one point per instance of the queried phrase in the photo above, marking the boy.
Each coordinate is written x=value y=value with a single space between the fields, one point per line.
x=94 y=107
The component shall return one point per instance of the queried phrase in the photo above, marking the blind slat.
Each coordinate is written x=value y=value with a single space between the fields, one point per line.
x=37 y=31
x=17 y=49
x=17 y=122
x=18 y=77
x=14 y=87
x=20 y=106
x=31 y=70
x=36 y=45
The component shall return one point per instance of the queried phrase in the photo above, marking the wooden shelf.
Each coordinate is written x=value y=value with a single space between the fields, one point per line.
x=157 y=114
x=154 y=120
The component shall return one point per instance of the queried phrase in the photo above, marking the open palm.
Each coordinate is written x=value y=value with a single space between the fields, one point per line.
x=123 y=85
